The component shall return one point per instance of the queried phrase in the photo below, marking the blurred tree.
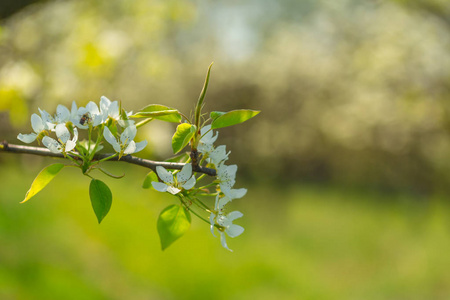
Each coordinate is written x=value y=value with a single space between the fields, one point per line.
x=10 y=7
x=350 y=91
x=436 y=8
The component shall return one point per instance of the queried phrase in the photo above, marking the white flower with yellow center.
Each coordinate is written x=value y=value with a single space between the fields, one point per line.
x=38 y=126
x=226 y=225
x=125 y=144
x=89 y=115
x=174 y=184
x=205 y=146
x=63 y=143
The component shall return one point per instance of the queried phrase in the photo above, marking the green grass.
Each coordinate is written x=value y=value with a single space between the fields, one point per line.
x=301 y=242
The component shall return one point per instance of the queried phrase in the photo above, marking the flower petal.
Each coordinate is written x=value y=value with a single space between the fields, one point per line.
x=104 y=104
x=62 y=114
x=36 y=123
x=164 y=175
x=226 y=175
x=140 y=146
x=207 y=135
x=234 y=215
x=223 y=241
x=173 y=190
x=74 y=110
x=221 y=202
x=97 y=120
x=234 y=193
x=159 y=186
x=184 y=174
x=128 y=134
x=219 y=155
x=46 y=117
x=189 y=184
x=225 y=187
x=27 y=138
x=211 y=221
x=113 y=110
x=234 y=230
x=131 y=148
x=51 y=144
x=62 y=133
x=109 y=137
x=70 y=145
x=92 y=108
x=75 y=135
x=205 y=149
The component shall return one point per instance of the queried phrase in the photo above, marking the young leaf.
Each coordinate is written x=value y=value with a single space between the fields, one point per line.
x=101 y=198
x=143 y=122
x=182 y=136
x=42 y=179
x=160 y=112
x=151 y=176
x=198 y=107
x=232 y=117
x=172 y=223
x=215 y=114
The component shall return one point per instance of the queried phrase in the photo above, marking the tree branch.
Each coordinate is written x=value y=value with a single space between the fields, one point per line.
x=6 y=147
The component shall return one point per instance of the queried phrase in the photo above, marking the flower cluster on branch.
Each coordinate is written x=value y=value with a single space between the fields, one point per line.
x=185 y=178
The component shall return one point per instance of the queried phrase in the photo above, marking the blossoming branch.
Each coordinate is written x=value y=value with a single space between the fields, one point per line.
x=184 y=177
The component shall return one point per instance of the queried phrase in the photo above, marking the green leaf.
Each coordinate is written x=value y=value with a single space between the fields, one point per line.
x=101 y=198
x=172 y=223
x=201 y=98
x=160 y=112
x=123 y=114
x=232 y=117
x=42 y=179
x=151 y=176
x=143 y=122
x=182 y=136
x=215 y=114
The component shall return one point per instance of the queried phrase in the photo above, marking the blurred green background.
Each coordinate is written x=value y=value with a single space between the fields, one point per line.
x=347 y=165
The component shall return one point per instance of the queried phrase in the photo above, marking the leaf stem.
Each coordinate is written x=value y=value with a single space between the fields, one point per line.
x=189 y=208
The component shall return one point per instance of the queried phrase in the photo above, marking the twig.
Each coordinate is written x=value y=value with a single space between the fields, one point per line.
x=11 y=148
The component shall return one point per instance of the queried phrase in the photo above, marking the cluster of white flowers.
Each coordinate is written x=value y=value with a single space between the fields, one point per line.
x=176 y=182
x=65 y=123
x=226 y=176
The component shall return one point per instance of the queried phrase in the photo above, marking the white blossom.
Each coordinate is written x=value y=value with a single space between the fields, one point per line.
x=183 y=180
x=38 y=126
x=205 y=145
x=125 y=144
x=89 y=115
x=226 y=176
x=110 y=109
x=229 y=195
x=62 y=114
x=47 y=119
x=226 y=225
x=218 y=155
x=63 y=143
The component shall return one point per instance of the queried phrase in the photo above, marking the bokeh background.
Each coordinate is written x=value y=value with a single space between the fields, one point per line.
x=347 y=166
